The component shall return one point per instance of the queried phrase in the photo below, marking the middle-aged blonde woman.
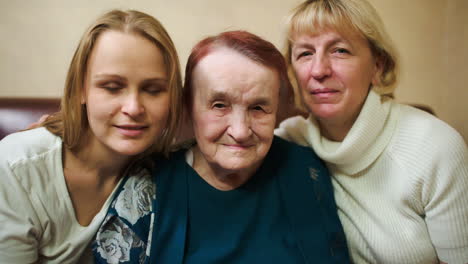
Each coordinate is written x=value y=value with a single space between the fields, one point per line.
x=400 y=175
x=121 y=101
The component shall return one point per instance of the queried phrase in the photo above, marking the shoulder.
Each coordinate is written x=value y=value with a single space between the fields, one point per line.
x=28 y=144
x=31 y=159
x=165 y=163
x=281 y=144
x=426 y=134
x=293 y=154
x=294 y=129
x=428 y=150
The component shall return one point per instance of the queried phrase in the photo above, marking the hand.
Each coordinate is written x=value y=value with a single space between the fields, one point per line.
x=38 y=122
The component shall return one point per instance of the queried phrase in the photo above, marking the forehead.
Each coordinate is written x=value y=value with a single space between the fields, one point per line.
x=328 y=35
x=118 y=52
x=228 y=72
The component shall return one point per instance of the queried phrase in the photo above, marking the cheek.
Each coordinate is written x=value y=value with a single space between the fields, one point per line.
x=301 y=73
x=357 y=74
x=159 y=109
x=264 y=127
x=98 y=111
x=208 y=126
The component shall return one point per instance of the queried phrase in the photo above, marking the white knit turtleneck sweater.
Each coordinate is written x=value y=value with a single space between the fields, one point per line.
x=400 y=179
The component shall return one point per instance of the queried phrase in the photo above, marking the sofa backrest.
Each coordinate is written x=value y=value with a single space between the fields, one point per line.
x=18 y=113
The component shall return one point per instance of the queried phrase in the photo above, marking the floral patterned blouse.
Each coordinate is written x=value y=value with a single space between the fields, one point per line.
x=124 y=236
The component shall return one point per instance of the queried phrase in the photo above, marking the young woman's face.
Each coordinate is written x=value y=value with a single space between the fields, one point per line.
x=234 y=110
x=334 y=72
x=126 y=94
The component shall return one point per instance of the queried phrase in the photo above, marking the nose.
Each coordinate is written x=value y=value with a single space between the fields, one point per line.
x=240 y=127
x=321 y=67
x=132 y=105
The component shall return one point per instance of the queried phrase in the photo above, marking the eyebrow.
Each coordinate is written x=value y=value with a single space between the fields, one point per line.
x=262 y=101
x=121 y=78
x=105 y=76
x=160 y=81
x=330 y=42
x=220 y=95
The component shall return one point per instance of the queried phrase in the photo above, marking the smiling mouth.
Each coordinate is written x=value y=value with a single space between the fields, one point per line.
x=323 y=91
x=132 y=127
x=132 y=131
x=238 y=147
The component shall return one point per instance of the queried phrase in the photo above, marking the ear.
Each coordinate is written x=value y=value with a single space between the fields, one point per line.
x=378 y=71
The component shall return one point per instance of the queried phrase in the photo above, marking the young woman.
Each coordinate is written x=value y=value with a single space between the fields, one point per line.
x=121 y=102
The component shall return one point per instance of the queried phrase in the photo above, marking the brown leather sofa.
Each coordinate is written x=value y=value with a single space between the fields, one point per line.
x=18 y=113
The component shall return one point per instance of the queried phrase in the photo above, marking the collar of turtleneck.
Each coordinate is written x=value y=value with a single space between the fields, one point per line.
x=368 y=137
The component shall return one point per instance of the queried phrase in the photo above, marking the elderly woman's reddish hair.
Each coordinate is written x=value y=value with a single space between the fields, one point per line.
x=248 y=45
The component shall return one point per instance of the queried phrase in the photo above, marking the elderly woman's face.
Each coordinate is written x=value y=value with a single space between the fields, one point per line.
x=234 y=110
x=334 y=72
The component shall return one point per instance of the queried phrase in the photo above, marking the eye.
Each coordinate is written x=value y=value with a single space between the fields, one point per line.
x=154 y=89
x=258 y=108
x=342 y=51
x=304 y=54
x=112 y=86
x=219 y=105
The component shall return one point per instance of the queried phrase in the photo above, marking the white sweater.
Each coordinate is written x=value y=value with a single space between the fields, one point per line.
x=37 y=219
x=400 y=179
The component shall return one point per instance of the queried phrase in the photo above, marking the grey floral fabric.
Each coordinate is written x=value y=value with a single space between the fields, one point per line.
x=125 y=234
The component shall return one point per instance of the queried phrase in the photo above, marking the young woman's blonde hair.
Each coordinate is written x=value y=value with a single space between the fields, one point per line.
x=71 y=122
x=313 y=16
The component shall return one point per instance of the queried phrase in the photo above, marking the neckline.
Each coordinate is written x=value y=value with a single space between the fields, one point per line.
x=367 y=139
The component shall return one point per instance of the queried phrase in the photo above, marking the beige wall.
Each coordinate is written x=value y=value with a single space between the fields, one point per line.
x=432 y=39
x=39 y=37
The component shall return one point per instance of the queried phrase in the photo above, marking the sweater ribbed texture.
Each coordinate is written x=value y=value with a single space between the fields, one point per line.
x=400 y=179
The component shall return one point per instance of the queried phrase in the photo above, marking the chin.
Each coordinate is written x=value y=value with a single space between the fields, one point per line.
x=130 y=153
x=130 y=149
x=238 y=165
x=324 y=112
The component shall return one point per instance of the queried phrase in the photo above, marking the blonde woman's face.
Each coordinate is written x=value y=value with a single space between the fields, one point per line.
x=126 y=94
x=334 y=72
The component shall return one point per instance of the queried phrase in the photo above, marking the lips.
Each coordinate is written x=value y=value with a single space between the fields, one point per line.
x=131 y=130
x=323 y=91
x=131 y=127
x=325 y=95
x=238 y=147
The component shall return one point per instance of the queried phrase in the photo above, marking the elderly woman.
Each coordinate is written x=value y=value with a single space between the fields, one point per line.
x=400 y=175
x=121 y=102
x=237 y=194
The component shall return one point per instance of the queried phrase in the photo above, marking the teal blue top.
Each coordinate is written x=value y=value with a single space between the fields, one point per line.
x=245 y=225
x=285 y=213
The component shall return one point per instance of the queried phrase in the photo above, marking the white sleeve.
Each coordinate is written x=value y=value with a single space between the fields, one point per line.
x=446 y=201
x=19 y=224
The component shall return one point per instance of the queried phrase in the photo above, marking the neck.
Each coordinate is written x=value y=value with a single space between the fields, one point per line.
x=93 y=171
x=96 y=162
x=335 y=131
x=221 y=179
